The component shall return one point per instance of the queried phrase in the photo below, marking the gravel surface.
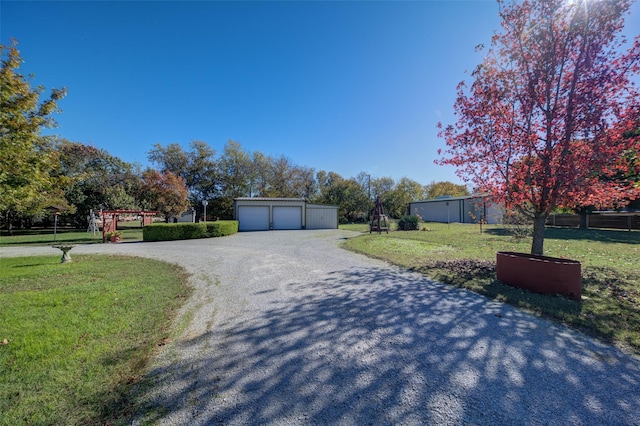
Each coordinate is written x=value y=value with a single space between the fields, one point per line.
x=289 y=329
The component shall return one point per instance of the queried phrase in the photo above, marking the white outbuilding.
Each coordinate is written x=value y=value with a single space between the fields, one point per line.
x=467 y=209
x=263 y=214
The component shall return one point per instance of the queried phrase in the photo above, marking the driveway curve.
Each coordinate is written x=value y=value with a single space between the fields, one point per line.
x=287 y=328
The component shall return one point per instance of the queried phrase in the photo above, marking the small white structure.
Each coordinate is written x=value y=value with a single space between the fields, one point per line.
x=467 y=209
x=263 y=214
x=188 y=216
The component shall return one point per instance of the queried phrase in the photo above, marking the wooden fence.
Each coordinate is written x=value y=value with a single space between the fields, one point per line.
x=626 y=221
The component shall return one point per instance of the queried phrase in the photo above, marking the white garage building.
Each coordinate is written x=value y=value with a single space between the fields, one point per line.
x=263 y=214
x=467 y=209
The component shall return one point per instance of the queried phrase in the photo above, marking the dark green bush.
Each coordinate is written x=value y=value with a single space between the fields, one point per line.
x=221 y=228
x=186 y=231
x=192 y=230
x=408 y=223
x=173 y=231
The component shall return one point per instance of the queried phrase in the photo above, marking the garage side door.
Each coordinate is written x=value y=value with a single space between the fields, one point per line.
x=287 y=217
x=253 y=218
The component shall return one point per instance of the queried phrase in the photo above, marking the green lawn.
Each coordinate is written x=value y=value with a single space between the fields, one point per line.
x=130 y=232
x=462 y=256
x=79 y=334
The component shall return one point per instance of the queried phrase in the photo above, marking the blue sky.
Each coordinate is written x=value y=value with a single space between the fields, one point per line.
x=339 y=86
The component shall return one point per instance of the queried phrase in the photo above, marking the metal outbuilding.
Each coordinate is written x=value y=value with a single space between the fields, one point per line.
x=263 y=214
x=467 y=209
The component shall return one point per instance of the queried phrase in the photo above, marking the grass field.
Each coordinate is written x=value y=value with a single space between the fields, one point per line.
x=75 y=336
x=462 y=256
x=131 y=231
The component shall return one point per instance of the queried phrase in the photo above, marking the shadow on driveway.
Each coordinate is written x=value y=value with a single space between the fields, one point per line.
x=381 y=346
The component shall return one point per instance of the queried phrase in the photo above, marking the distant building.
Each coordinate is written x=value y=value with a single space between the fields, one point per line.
x=466 y=209
x=263 y=214
x=188 y=216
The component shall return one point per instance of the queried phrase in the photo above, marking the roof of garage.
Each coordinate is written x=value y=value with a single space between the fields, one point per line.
x=267 y=199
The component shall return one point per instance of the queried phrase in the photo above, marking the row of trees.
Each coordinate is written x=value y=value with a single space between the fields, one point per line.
x=38 y=173
x=238 y=173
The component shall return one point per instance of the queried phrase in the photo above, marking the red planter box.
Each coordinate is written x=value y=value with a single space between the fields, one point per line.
x=541 y=274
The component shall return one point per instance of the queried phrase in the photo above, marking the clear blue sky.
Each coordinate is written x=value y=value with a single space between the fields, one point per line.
x=337 y=86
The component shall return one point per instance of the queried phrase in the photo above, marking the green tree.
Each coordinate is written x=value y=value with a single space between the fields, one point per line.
x=26 y=157
x=350 y=197
x=303 y=183
x=234 y=169
x=380 y=186
x=259 y=176
x=197 y=167
x=439 y=189
x=95 y=180
x=396 y=202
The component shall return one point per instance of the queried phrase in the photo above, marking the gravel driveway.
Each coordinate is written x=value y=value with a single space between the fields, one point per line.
x=289 y=329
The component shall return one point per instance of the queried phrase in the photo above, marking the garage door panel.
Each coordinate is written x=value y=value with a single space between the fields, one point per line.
x=253 y=218
x=287 y=217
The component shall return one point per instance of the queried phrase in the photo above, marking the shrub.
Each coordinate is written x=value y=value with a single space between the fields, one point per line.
x=408 y=223
x=173 y=231
x=192 y=230
x=222 y=228
x=517 y=224
x=186 y=231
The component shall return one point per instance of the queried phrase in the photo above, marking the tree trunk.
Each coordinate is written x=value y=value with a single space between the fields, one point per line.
x=537 y=245
x=583 y=219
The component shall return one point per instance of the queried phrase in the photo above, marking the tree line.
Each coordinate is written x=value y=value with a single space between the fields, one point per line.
x=42 y=174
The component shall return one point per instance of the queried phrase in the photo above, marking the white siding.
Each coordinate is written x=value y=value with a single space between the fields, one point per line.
x=438 y=211
x=459 y=209
x=322 y=217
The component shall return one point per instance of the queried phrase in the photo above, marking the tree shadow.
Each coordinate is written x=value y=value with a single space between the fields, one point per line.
x=592 y=234
x=382 y=346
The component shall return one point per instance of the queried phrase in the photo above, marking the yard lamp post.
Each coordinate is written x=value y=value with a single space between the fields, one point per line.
x=204 y=204
x=55 y=225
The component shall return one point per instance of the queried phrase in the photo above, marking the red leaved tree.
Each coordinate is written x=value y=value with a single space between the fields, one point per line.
x=164 y=192
x=542 y=124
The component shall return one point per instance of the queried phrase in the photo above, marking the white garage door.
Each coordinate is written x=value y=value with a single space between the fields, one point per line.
x=253 y=218
x=287 y=217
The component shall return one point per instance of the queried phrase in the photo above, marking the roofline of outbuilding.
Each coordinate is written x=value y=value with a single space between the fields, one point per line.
x=463 y=197
x=267 y=199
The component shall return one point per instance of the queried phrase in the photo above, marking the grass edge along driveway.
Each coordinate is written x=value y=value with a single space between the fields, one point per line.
x=78 y=335
x=462 y=256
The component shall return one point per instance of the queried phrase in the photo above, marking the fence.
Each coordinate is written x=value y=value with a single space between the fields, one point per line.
x=626 y=221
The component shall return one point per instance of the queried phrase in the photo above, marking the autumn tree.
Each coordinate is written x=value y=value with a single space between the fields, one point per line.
x=26 y=157
x=165 y=193
x=543 y=118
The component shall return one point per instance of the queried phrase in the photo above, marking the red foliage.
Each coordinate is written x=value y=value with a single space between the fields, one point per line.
x=542 y=123
x=165 y=192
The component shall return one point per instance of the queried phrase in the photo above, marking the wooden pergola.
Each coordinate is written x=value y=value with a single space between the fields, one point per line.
x=112 y=225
